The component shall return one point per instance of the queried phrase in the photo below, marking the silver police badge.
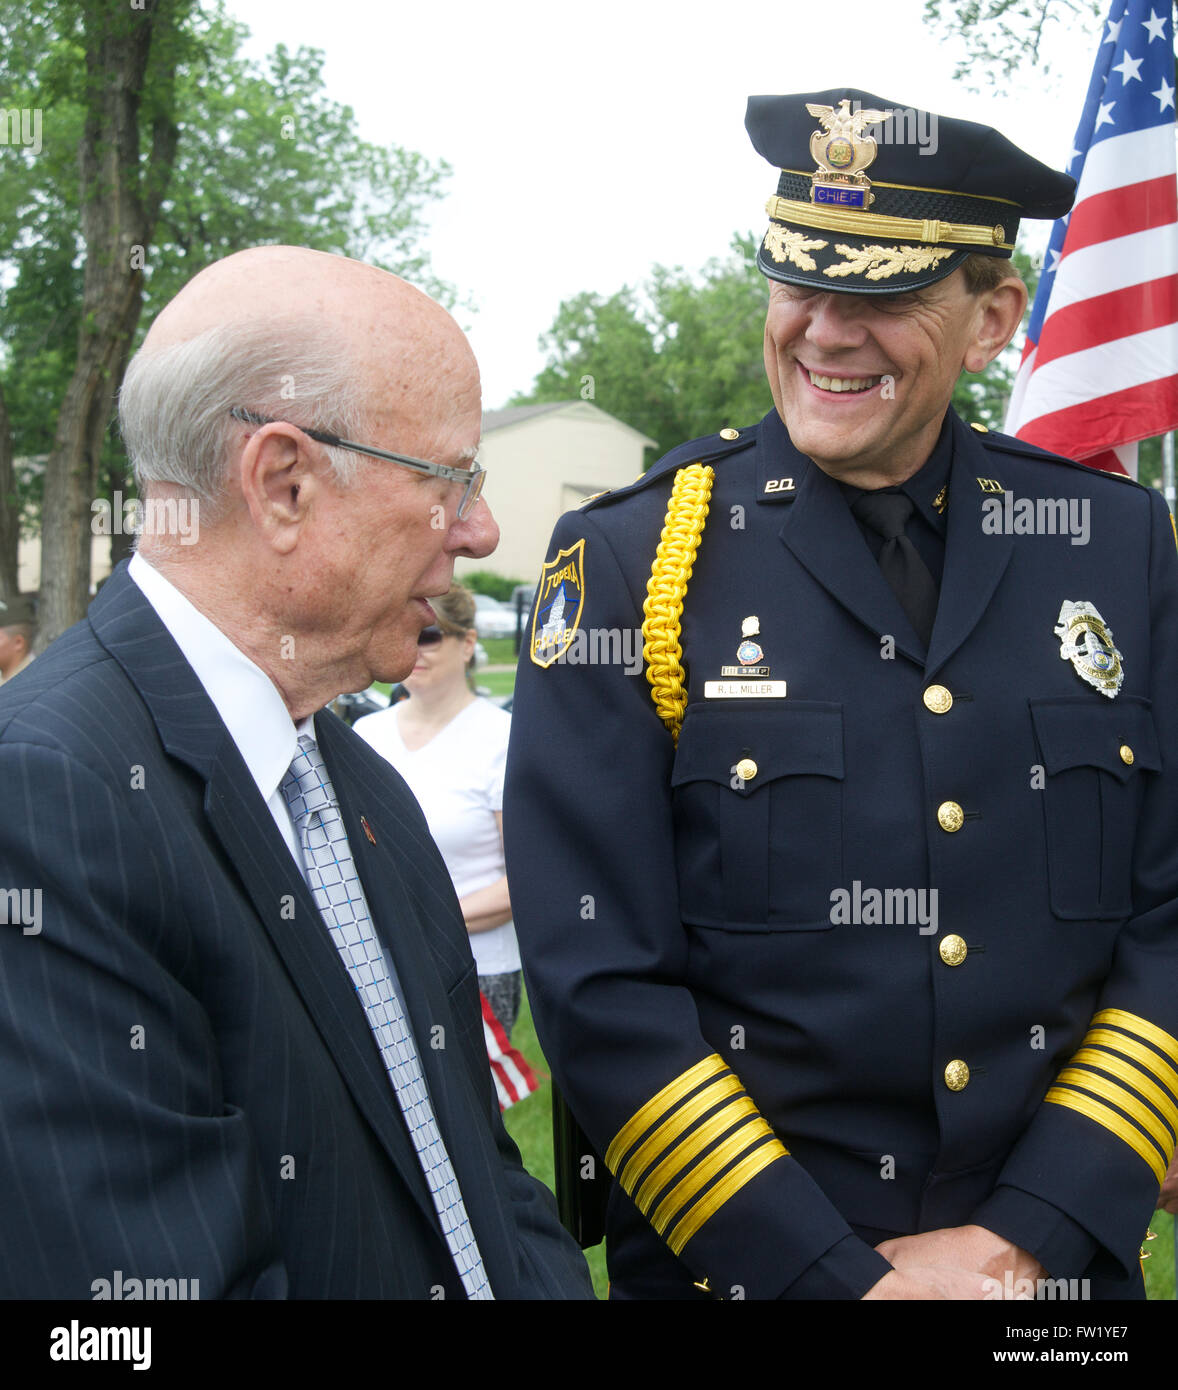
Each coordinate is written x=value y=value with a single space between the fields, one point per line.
x=1087 y=642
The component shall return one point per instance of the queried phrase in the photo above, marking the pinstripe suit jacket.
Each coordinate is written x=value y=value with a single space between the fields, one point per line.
x=188 y=1088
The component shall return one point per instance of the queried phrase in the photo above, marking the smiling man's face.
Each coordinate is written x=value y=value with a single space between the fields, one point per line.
x=863 y=381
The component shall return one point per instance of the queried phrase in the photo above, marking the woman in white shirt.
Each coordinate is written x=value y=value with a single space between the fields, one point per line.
x=451 y=746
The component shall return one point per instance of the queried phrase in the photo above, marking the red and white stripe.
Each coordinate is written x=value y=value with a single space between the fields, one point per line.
x=513 y=1078
x=1104 y=373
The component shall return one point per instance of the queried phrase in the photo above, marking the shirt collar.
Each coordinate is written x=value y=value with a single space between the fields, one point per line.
x=244 y=696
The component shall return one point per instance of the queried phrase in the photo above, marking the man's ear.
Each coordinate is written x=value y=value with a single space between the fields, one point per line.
x=999 y=312
x=278 y=482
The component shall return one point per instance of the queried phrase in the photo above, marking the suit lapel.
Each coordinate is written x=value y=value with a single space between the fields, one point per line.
x=192 y=731
x=975 y=560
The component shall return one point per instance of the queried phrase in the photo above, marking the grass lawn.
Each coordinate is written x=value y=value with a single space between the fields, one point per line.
x=530 y=1124
x=500 y=650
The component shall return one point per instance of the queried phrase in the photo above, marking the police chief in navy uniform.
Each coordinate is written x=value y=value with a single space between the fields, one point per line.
x=851 y=925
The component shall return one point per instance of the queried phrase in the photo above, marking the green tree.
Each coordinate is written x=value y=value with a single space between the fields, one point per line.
x=163 y=150
x=678 y=358
x=1000 y=36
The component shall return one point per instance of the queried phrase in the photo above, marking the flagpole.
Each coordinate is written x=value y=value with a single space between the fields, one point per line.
x=1168 y=494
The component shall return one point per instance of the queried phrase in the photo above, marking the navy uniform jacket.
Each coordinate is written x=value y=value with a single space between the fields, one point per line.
x=777 y=1089
x=188 y=1086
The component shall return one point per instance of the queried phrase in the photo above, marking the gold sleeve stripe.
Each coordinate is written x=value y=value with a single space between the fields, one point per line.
x=1134 y=1077
x=676 y=1126
x=659 y=1104
x=1104 y=1037
x=1109 y=1090
x=750 y=1133
x=1142 y=1028
x=1113 y=1122
x=712 y=1200
x=690 y=1149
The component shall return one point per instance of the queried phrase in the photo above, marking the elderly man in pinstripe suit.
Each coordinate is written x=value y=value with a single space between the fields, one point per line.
x=242 y=1045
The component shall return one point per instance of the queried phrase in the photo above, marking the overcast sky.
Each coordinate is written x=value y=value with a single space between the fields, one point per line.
x=590 y=141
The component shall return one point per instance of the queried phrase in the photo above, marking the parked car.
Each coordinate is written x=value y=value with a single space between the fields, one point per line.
x=492 y=618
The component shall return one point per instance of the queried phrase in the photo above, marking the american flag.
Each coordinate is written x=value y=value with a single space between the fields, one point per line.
x=1100 y=367
x=512 y=1076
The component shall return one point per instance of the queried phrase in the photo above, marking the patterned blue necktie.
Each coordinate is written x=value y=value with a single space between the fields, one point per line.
x=339 y=896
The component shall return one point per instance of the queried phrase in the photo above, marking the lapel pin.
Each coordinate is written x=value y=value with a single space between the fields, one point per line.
x=749 y=652
x=367 y=830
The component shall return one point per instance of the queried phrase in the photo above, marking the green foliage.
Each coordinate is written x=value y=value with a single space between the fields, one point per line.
x=678 y=358
x=1000 y=36
x=493 y=585
x=264 y=156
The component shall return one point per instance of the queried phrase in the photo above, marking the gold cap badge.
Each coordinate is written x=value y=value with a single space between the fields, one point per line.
x=842 y=152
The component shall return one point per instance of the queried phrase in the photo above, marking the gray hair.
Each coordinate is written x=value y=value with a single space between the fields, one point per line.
x=175 y=402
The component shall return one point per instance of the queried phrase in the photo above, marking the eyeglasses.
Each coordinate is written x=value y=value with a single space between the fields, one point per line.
x=430 y=636
x=473 y=477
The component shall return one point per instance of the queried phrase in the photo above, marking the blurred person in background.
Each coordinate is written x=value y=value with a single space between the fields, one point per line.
x=450 y=745
x=18 y=627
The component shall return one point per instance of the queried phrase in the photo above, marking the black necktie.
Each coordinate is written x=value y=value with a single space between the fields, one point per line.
x=886 y=513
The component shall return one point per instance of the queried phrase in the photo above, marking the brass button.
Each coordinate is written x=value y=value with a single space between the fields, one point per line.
x=938 y=699
x=981 y=429
x=952 y=950
x=957 y=1075
x=729 y=434
x=1126 y=755
x=950 y=816
x=746 y=769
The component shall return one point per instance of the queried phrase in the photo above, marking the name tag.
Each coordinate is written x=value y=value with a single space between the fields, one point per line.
x=744 y=690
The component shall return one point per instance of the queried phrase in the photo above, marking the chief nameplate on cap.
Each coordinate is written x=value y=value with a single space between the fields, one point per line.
x=842 y=152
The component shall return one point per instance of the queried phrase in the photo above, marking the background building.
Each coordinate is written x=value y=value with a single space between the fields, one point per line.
x=542 y=460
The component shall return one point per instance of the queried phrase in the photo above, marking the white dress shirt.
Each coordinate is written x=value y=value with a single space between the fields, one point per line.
x=244 y=695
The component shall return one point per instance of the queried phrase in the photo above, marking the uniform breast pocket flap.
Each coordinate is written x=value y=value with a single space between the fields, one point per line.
x=758 y=809
x=1095 y=757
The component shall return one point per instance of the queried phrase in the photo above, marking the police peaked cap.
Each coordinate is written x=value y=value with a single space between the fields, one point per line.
x=875 y=198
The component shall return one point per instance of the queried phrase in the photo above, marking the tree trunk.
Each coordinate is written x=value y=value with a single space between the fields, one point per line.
x=120 y=203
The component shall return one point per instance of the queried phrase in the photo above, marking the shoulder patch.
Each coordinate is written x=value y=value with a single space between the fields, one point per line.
x=560 y=600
